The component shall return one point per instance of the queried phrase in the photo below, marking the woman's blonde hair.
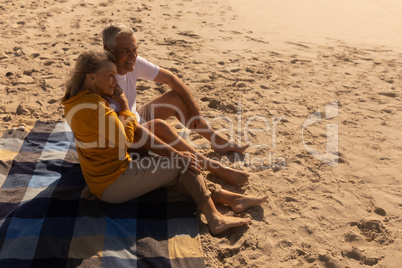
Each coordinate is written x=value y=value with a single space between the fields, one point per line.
x=87 y=63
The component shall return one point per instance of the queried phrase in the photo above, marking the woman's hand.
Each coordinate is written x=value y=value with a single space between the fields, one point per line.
x=119 y=96
x=189 y=163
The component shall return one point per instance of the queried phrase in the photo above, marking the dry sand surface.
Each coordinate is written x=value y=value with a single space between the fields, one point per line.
x=318 y=215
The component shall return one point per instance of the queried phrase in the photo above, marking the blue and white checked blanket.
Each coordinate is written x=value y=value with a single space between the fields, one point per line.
x=48 y=218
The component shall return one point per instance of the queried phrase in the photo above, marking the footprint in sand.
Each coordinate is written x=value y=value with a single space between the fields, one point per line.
x=380 y=211
x=374 y=230
x=219 y=105
x=189 y=34
x=358 y=255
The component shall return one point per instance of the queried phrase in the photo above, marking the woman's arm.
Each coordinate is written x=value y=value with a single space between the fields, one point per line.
x=115 y=130
x=144 y=138
x=121 y=98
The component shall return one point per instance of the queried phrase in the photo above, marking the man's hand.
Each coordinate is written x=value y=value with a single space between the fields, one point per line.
x=196 y=121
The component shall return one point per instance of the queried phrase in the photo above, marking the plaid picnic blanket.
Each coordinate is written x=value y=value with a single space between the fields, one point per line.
x=48 y=217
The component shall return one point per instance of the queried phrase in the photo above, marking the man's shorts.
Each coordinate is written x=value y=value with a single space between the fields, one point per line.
x=145 y=113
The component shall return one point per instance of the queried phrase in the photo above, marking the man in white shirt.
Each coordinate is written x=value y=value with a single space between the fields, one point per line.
x=119 y=39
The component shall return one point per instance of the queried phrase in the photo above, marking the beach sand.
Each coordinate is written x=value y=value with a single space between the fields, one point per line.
x=314 y=87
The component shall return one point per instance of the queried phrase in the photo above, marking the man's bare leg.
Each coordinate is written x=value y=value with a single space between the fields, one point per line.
x=162 y=130
x=238 y=202
x=171 y=104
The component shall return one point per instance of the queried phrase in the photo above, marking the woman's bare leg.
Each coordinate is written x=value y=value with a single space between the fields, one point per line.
x=161 y=129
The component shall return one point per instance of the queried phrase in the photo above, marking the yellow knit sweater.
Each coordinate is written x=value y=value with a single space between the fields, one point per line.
x=102 y=138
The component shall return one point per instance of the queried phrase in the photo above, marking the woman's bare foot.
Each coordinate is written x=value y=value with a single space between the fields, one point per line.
x=228 y=146
x=233 y=176
x=219 y=223
x=239 y=203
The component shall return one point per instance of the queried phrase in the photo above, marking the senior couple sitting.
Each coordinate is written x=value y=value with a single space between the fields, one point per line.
x=100 y=107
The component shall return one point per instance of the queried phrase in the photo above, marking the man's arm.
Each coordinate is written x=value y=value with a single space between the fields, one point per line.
x=166 y=77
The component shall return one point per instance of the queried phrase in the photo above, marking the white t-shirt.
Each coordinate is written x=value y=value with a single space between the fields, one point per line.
x=143 y=69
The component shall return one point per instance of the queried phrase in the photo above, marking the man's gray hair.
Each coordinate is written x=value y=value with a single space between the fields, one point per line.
x=113 y=30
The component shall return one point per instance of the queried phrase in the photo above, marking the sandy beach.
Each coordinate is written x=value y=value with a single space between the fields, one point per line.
x=313 y=86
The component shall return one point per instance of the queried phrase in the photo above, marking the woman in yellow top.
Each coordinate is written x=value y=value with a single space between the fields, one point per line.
x=103 y=137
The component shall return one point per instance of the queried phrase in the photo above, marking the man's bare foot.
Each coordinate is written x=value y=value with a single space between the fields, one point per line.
x=219 y=223
x=239 y=203
x=228 y=146
x=233 y=176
